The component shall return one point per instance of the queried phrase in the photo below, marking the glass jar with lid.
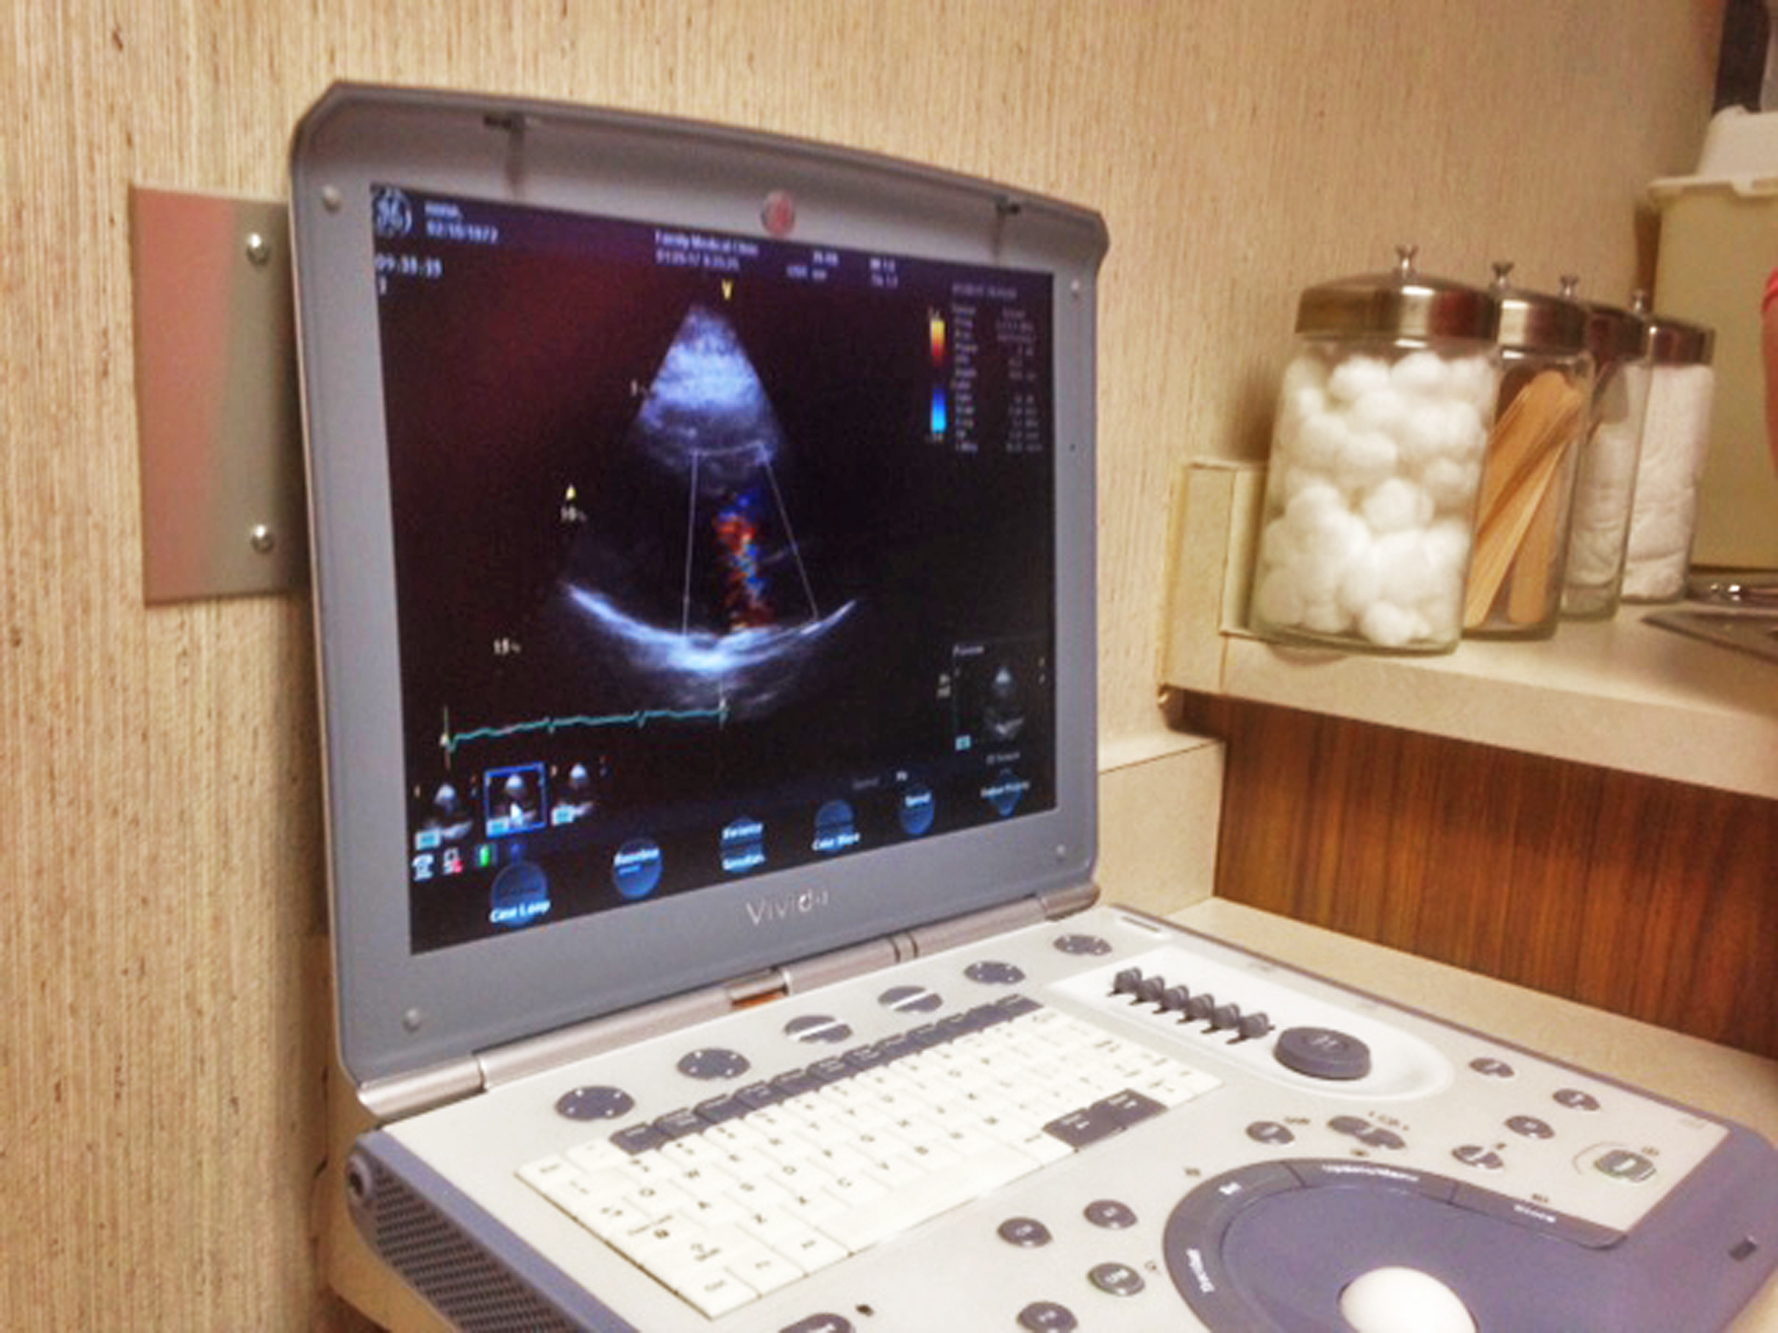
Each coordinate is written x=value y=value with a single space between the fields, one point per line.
x=1521 y=518
x=1605 y=479
x=1675 y=441
x=1375 y=462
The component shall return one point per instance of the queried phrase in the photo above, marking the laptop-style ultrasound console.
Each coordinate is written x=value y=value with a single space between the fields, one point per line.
x=703 y=543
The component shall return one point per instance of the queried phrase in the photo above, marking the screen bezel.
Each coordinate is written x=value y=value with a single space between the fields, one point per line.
x=399 y=1012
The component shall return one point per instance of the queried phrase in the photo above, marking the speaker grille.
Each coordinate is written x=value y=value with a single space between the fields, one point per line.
x=466 y=1283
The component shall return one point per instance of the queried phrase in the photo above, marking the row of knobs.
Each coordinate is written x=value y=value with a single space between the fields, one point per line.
x=1199 y=1008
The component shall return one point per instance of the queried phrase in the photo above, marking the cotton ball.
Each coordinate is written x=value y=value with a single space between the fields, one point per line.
x=1299 y=477
x=1476 y=381
x=1361 y=581
x=1382 y=409
x=1333 y=535
x=1304 y=372
x=1327 y=539
x=1420 y=373
x=1407 y=577
x=1442 y=430
x=1301 y=405
x=1388 y=625
x=1445 y=547
x=1451 y=484
x=1319 y=442
x=1310 y=507
x=1357 y=376
x=1422 y=437
x=1441 y=616
x=1278 y=600
x=1303 y=394
x=1369 y=456
x=1277 y=546
x=1468 y=427
x=1326 y=618
x=1395 y=504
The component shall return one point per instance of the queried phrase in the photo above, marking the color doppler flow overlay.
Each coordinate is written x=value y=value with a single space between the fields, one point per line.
x=748 y=618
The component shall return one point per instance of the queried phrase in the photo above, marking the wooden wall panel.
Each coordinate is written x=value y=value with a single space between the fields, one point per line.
x=1648 y=898
x=159 y=1116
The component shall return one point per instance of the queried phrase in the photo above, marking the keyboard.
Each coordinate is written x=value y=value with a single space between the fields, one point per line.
x=743 y=1194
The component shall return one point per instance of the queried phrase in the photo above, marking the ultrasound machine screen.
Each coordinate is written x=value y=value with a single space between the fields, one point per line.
x=714 y=555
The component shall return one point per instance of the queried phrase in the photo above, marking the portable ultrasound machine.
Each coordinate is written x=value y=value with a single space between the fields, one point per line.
x=703 y=538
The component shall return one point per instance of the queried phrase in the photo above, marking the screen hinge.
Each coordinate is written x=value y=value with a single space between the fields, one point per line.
x=392 y=1098
x=1048 y=905
x=1058 y=903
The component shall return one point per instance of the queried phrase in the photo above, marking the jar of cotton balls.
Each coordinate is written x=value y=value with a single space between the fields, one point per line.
x=1376 y=457
x=1521 y=519
x=1605 y=480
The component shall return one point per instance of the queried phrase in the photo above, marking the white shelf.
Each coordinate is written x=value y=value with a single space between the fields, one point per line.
x=1617 y=694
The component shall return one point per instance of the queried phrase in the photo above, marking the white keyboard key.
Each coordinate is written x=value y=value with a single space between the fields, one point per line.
x=598 y=1155
x=705 y=1182
x=764 y=1270
x=556 y=1180
x=607 y=1220
x=855 y=1191
x=1044 y=1147
x=717 y=1211
x=925 y=1199
x=716 y=1294
x=803 y=1245
x=660 y=1242
x=1178 y=1086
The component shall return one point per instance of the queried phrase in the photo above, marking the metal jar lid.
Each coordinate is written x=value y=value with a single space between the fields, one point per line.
x=1673 y=342
x=1615 y=336
x=1397 y=304
x=1536 y=321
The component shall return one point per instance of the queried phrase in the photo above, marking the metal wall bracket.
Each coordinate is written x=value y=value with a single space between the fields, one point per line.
x=218 y=421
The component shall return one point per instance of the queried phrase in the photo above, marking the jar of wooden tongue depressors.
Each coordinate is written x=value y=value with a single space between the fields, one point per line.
x=1376 y=457
x=1521 y=517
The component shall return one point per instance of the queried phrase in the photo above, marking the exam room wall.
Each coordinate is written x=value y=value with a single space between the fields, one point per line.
x=160 y=1054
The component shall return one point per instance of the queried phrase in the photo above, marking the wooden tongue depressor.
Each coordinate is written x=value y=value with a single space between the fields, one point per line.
x=1521 y=467
x=1537 y=419
x=1529 y=583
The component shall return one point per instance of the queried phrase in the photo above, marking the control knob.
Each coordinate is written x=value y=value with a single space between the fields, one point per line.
x=1323 y=1053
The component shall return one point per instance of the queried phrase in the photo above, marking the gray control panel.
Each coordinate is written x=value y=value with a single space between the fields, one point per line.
x=1275 y=1139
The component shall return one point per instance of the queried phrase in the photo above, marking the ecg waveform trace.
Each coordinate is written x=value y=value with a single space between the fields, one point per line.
x=450 y=741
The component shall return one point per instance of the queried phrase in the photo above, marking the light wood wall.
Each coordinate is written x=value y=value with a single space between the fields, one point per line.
x=159 y=1062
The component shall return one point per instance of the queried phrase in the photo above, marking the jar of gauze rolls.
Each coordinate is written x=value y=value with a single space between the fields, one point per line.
x=1375 y=461
x=1605 y=478
x=1522 y=512
x=1675 y=443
